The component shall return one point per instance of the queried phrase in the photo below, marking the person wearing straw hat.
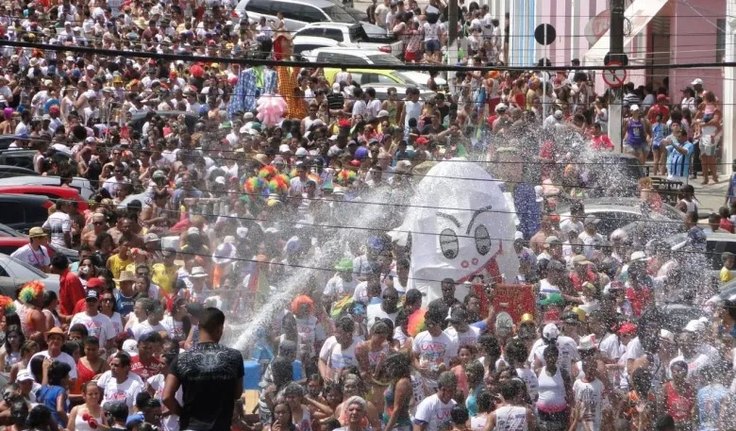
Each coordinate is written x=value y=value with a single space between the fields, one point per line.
x=125 y=294
x=55 y=339
x=35 y=252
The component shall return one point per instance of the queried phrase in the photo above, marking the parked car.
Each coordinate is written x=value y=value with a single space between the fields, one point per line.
x=10 y=244
x=297 y=13
x=350 y=57
x=7 y=140
x=8 y=232
x=366 y=77
x=82 y=185
x=22 y=212
x=52 y=192
x=344 y=35
x=7 y=171
x=382 y=91
x=23 y=158
x=614 y=174
x=616 y=213
x=15 y=273
x=138 y=119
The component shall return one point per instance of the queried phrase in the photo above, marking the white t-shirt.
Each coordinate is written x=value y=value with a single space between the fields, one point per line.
x=157 y=382
x=433 y=351
x=114 y=391
x=467 y=338
x=58 y=224
x=63 y=357
x=568 y=352
x=611 y=347
x=590 y=395
x=694 y=365
x=337 y=287
x=336 y=357
x=431 y=31
x=374 y=311
x=37 y=259
x=530 y=380
x=434 y=413
x=99 y=326
x=144 y=327
x=174 y=328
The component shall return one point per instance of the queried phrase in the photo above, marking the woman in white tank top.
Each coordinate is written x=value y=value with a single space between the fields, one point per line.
x=552 y=403
x=513 y=415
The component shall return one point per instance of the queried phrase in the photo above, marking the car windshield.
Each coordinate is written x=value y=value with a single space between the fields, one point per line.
x=37 y=272
x=411 y=78
x=337 y=14
x=388 y=59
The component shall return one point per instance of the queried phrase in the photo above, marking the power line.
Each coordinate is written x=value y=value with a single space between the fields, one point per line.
x=308 y=64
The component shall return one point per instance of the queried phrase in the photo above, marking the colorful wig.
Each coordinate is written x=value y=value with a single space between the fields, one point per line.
x=31 y=291
x=7 y=305
x=346 y=177
x=302 y=300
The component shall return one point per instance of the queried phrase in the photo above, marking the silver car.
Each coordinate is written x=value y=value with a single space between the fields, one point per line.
x=15 y=273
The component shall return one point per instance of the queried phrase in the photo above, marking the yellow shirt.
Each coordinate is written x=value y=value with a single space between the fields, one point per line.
x=116 y=264
x=726 y=275
x=164 y=277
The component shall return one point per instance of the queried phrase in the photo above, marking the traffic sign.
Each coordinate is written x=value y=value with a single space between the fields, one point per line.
x=614 y=78
x=545 y=34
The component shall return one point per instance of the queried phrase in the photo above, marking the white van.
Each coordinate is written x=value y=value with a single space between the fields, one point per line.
x=297 y=13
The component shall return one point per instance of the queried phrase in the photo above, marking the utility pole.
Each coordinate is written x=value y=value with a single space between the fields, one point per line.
x=452 y=44
x=616 y=55
x=729 y=92
x=452 y=29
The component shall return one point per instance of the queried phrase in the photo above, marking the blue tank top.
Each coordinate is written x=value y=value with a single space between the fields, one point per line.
x=709 y=401
x=659 y=131
x=47 y=396
x=635 y=135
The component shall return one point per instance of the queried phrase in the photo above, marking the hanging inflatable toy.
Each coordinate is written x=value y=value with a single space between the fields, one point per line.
x=346 y=177
x=271 y=109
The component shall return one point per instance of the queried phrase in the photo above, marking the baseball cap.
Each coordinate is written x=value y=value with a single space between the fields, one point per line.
x=634 y=108
x=92 y=295
x=697 y=81
x=591 y=219
x=24 y=376
x=95 y=283
x=627 y=328
x=550 y=331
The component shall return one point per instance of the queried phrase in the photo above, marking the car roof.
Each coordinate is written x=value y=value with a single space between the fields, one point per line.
x=721 y=237
x=61 y=191
x=22 y=197
x=350 y=51
x=13 y=240
x=317 y=3
x=331 y=24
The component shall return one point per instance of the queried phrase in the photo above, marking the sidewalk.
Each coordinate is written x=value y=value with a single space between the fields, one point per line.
x=712 y=196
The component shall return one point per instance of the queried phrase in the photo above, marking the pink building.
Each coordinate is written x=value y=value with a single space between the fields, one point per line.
x=657 y=32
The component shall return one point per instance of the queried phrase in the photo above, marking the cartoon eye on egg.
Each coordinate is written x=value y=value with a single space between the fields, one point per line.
x=449 y=243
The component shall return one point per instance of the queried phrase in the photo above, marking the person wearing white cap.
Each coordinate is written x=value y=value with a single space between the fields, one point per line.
x=27 y=385
x=588 y=389
x=688 y=341
x=568 y=349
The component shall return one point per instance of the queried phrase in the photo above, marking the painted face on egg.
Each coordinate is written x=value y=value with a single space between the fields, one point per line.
x=465 y=241
x=460 y=223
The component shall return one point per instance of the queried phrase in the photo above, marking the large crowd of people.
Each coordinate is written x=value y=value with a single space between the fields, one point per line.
x=209 y=197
